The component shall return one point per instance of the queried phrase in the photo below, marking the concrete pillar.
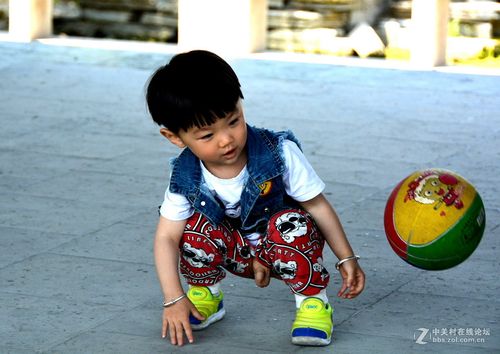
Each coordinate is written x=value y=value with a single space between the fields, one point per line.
x=30 y=19
x=429 y=23
x=223 y=26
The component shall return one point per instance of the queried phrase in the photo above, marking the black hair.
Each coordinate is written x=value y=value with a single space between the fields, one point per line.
x=194 y=89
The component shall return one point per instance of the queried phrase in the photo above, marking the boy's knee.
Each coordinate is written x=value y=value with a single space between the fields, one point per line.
x=202 y=245
x=200 y=259
x=291 y=227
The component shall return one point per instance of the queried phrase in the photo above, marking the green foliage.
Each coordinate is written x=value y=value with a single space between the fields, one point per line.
x=488 y=57
x=397 y=53
x=454 y=28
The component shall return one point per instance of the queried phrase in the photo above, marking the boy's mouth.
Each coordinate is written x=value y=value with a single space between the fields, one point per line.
x=230 y=153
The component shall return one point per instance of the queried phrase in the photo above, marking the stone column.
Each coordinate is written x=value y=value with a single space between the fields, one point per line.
x=429 y=26
x=231 y=27
x=30 y=19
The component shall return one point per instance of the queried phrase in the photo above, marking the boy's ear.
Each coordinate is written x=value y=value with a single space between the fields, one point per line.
x=174 y=138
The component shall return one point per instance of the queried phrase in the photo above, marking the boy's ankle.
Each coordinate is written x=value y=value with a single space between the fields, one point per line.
x=299 y=298
x=214 y=289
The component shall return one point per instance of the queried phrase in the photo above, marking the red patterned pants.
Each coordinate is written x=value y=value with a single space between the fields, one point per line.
x=292 y=249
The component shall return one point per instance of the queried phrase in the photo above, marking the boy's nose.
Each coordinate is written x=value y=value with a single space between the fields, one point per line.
x=225 y=139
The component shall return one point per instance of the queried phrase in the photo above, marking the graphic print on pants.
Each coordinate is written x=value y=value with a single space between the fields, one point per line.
x=292 y=248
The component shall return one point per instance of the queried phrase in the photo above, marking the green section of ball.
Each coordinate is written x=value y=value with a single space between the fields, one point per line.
x=455 y=245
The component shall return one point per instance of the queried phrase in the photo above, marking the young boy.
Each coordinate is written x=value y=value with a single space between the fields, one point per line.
x=240 y=199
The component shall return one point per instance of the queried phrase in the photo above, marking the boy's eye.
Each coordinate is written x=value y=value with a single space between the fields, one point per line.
x=206 y=136
x=234 y=121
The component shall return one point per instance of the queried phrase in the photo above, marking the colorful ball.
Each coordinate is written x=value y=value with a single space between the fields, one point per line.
x=434 y=219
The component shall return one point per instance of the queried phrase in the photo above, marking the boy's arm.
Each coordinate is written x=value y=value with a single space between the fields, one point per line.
x=329 y=224
x=166 y=252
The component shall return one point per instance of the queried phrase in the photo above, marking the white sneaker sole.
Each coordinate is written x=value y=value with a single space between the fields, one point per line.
x=212 y=319
x=311 y=341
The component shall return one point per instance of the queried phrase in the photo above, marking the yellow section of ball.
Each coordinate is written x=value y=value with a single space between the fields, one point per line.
x=429 y=203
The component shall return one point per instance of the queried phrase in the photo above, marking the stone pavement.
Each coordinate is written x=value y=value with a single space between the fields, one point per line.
x=82 y=170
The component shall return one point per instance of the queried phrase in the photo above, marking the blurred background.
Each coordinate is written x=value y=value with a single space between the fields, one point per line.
x=305 y=26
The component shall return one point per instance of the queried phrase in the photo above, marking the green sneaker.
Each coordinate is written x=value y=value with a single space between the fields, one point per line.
x=211 y=307
x=313 y=323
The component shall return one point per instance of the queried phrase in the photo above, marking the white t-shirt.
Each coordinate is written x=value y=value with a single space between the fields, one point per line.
x=300 y=180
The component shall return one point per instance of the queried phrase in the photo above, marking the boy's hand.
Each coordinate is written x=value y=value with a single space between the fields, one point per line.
x=262 y=274
x=176 y=321
x=353 y=280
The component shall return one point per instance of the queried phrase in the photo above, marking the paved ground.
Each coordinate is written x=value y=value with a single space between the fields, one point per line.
x=82 y=170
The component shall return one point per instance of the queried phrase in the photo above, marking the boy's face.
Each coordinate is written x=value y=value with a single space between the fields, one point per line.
x=221 y=145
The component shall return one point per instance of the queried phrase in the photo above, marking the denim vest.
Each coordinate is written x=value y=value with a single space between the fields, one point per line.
x=263 y=194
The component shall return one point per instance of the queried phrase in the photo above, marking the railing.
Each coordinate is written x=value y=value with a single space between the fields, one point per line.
x=32 y=19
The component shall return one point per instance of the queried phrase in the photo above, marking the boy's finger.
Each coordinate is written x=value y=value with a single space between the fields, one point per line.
x=358 y=287
x=350 y=282
x=173 y=337
x=342 y=290
x=196 y=314
x=180 y=335
x=164 y=329
x=189 y=332
x=258 y=276
x=262 y=278
x=267 y=279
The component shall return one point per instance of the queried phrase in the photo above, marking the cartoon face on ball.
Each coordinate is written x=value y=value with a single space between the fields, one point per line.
x=436 y=188
x=431 y=190
x=291 y=225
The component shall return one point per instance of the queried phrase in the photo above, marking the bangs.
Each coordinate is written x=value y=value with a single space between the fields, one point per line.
x=203 y=118
x=205 y=106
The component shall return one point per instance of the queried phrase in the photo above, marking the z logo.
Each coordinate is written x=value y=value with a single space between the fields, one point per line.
x=420 y=338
